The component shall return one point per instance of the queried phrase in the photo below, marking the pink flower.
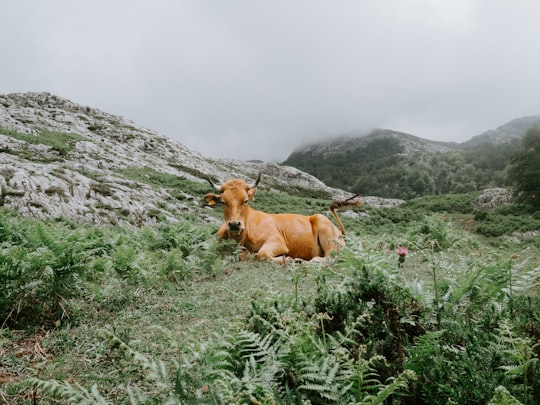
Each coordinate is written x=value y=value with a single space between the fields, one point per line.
x=402 y=251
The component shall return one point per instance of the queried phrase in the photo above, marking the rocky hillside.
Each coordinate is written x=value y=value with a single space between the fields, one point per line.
x=505 y=134
x=397 y=165
x=408 y=144
x=61 y=159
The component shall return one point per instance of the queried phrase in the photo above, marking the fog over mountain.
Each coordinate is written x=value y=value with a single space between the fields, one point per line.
x=253 y=80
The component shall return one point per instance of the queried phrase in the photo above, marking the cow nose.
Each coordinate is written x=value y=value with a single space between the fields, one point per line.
x=235 y=225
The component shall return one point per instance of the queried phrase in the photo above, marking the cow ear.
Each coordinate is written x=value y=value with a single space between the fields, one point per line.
x=251 y=193
x=212 y=199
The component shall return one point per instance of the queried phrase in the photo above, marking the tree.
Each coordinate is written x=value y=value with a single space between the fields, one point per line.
x=524 y=169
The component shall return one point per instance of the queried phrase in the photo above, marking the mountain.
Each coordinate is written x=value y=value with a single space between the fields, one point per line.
x=383 y=137
x=511 y=131
x=60 y=159
x=397 y=165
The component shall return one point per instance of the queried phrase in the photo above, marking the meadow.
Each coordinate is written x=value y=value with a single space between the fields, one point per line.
x=165 y=315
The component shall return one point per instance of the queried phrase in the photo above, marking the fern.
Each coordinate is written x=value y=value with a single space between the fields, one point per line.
x=73 y=394
x=366 y=378
x=503 y=397
x=253 y=345
x=523 y=279
x=400 y=383
x=519 y=355
x=324 y=376
x=40 y=272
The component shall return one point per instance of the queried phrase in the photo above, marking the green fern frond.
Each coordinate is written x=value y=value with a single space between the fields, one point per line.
x=514 y=370
x=400 y=383
x=503 y=397
x=365 y=378
x=74 y=395
x=253 y=345
x=156 y=371
x=325 y=376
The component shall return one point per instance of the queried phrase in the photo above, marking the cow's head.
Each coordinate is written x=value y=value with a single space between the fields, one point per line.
x=235 y=196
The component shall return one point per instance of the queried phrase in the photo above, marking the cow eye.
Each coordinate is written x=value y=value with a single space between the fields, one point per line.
x=246 y=201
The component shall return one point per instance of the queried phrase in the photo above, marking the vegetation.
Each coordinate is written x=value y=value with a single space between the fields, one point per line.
x=163 y=314
x=60 y=142
x=383 y=167
x=525 y=168
x=159 y=179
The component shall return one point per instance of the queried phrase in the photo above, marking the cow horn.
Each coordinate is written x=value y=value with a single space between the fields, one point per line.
x=257 y=182
x=217 y=188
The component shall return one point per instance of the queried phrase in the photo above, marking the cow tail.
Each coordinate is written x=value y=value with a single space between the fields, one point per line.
x=352 y=201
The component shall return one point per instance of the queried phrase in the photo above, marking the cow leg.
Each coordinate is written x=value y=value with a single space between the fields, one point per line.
x=329 y=245
x=272 y=251
x=243 y=254
x=327 y=236
x=284 y=259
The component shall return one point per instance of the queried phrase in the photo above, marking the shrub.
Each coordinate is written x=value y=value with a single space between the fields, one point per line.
x=39 y=270
x=377 y=221
x=499 y=223
x=435 y=234
x=449 y=203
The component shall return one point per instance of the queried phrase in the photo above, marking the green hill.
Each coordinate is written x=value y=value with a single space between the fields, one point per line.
x=398 y=165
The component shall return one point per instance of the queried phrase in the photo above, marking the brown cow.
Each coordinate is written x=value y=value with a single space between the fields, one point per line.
x=277 y=237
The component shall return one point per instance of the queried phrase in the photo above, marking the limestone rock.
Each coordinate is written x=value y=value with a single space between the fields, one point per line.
x=492 y=198
x=60 y=159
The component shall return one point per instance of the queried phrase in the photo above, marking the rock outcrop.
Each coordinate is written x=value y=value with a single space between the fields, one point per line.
x=60 y=159
x=493 y=198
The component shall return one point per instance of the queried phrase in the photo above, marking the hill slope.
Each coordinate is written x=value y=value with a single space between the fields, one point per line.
x=61 y=159
x=506 y=133
x=398 y=165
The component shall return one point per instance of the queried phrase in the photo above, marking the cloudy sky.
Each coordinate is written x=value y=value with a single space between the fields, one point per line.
x=255 y=79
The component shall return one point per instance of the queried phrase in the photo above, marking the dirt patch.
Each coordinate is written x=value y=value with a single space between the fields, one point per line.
x=24 y=347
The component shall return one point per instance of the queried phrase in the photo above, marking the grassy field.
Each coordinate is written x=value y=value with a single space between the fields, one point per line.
x=164 y=314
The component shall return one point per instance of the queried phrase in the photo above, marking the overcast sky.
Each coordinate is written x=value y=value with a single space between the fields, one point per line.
x=255 y=79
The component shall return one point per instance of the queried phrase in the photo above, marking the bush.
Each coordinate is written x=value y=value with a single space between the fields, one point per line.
x=392 y=220
x=499 y=223
x=449 y=203
x=44 y=264
x=376 y=309
x=40 y=269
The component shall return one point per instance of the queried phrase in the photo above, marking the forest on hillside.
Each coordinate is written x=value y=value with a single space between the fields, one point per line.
x=382 y=167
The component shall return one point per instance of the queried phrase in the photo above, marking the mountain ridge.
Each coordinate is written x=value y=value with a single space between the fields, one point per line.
x=514 y=129
x=340 y=142
x=394 y=164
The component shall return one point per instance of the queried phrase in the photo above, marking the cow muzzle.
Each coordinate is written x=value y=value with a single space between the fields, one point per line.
x=235 y=226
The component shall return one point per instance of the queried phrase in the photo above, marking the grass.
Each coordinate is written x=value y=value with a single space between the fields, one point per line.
x=149 y=318
x=60 y=142
x=158 y=306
